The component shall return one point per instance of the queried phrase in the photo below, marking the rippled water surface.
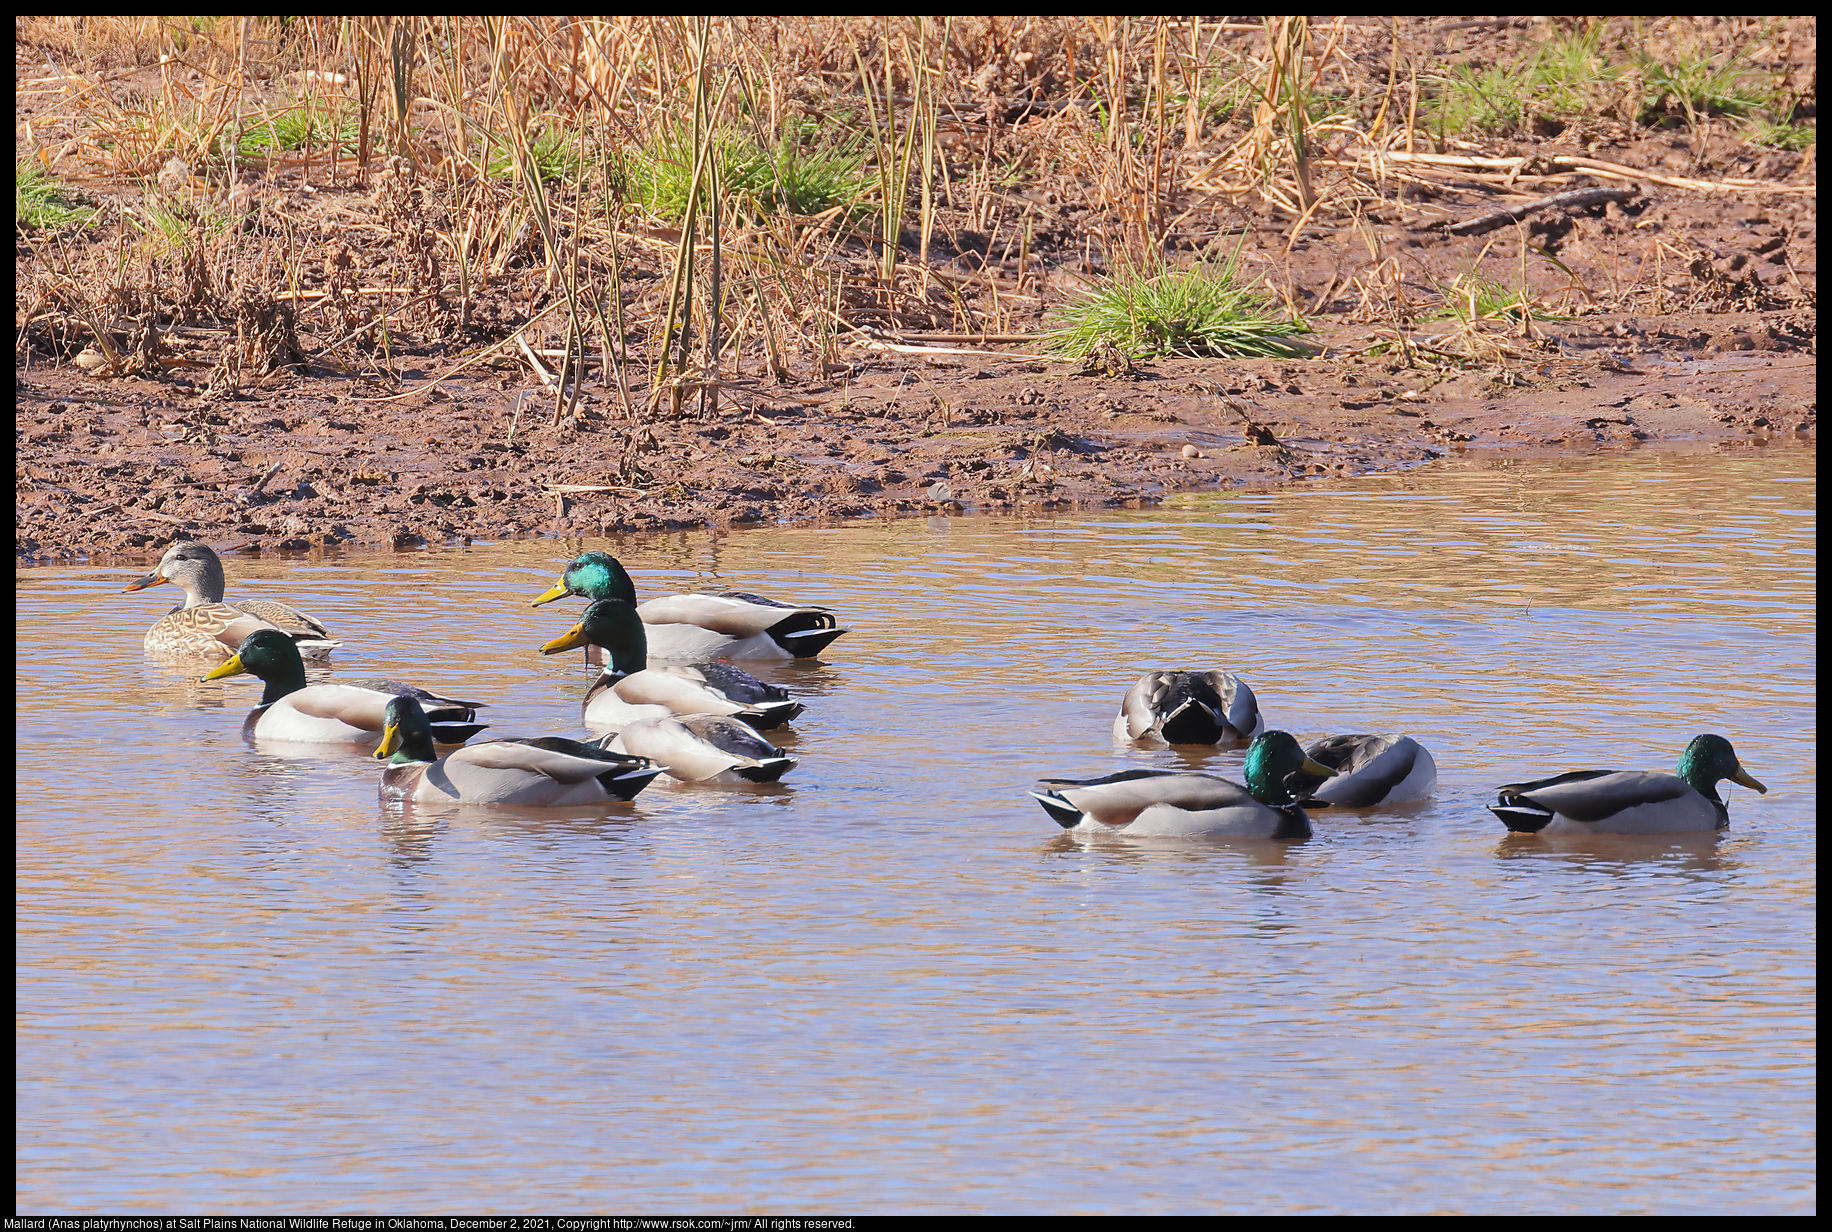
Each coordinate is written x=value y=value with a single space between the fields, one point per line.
x=893 y=983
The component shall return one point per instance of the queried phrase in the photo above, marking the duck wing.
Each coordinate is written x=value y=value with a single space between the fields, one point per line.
x=1371 y=769
x=687 y=690
x=437 y=707
x=568 y=762
x=704 y=748
x=797 y=631
x=306 y=631
x=1590 y=796
x=362 y=704
x=1118 y=799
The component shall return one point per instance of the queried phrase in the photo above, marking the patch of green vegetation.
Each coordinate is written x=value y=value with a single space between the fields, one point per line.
x=306 y=125
x=1773 y=136
x=1486 y=100
x=1562 y=78
x=1203 y=311
x=1574 y=76
x=1694 y=86
x=554 y=153
x=1472 y=297
x=795 y=175
x=180 y=226
x=41 y=203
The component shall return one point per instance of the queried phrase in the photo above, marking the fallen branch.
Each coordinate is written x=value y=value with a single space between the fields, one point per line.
x=558 y=488
x=262 y=481
x=873 y=344
x=1550 y=164
x=1568 y=201
x=982 y=339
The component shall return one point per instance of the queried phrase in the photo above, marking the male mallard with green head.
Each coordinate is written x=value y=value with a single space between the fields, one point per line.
x=734 y=624
x=629 y=689
x=1630 y=801
x=544 y=772
x=334 y=713
x=1179 y=804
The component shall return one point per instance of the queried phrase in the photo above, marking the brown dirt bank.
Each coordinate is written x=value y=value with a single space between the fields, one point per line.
x=318 y=338
x=121 y=468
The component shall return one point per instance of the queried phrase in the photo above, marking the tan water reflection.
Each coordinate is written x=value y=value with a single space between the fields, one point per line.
x=893 y=983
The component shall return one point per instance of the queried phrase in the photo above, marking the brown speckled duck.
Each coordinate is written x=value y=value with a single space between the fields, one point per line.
x=204 y=626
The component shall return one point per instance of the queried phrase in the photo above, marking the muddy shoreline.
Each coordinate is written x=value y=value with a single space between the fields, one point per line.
x=118 y=470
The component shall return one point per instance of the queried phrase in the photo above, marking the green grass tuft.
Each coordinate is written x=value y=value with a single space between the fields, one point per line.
x=1472 y=297
x=554 y=153
x=1562 y=79
x=789 y=177
x=41 y=203
x=307 y=124
x=1693 y=86
x=1773 y=136
x=1203 y=311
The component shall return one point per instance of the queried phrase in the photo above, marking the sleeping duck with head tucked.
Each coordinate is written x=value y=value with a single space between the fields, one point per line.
x=1189 y=708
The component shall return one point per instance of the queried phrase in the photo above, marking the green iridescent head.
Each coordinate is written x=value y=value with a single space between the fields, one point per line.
x=593 y=575
x=616 y=627
x=1710 y=759
x=1271 y=759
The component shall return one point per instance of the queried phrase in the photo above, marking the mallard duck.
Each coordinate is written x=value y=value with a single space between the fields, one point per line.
x=206 y=627
x=703 y=748
x=1369 y=770
x=542 y=771
x=629 y=689
x=1630 y=801
x=1175 y=803
x=1189 y=708
x=734 y=624
x=346 y=710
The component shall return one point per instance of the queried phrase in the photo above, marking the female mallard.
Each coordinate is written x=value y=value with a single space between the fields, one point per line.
x=543 y=771
x=1189 y=708
x=629 y=689
x=703 y=748
x=1630 y=801
x=732 y=625
x=205 y=626
x=1369 y=770
x=347 y=710
x=1174 y=803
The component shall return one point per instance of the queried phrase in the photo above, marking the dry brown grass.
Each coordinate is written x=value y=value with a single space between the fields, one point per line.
x=495 y=152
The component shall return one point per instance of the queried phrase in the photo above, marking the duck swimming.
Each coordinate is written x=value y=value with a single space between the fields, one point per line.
x=1630 y=801
x=629 y=689
x=734 y=624
x=1369 y=770
x=703 y=748
x=335 y=713
x=206 y=627
x=1189 y=708
x=1180 y=804
x=544 y=771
